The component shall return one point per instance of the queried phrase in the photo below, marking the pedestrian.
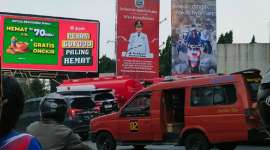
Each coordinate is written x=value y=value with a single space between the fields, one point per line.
x=138 y=41
x=49 y=131
x=11 y=107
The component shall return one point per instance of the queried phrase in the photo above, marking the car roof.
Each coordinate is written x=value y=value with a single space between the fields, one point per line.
x=34 y=99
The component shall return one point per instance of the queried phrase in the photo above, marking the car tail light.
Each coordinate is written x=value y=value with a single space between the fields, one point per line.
x=99 y=103
x=73 y=112
x=251 y=116
x=97 y=110
x=115 y=101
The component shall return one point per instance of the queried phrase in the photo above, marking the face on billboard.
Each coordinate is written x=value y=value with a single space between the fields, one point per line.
x=48 y=44
x=139 y=30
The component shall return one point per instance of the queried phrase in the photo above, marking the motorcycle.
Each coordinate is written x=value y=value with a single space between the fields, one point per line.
x=194 y=54
x=205 y=42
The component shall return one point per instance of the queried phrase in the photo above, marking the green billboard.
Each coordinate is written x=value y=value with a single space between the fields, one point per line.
x=30 y=42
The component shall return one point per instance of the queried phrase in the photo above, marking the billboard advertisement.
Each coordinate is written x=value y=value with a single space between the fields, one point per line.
x=194 y=49
x=40 y=43
x=138 y=39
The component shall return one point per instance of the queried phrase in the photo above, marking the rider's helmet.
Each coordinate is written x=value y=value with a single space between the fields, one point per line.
x=193 y=29
x=263 y=100
x=53 y=106
x=208 y=20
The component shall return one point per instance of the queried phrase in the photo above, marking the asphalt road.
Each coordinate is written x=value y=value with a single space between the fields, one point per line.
x=171 y=147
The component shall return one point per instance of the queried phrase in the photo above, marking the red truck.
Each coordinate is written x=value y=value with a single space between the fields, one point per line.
x=123 y=87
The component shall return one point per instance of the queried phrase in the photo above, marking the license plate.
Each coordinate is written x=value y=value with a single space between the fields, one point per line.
x=108 y=106
x=86 y=117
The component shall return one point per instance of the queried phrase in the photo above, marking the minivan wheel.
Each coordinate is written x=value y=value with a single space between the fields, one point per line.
x=84 y=135
x=227 y=146
x=105 y=141
x=138 y=146
x=197 y=141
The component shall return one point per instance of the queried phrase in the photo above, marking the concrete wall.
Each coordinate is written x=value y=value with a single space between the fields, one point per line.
x=236 y=57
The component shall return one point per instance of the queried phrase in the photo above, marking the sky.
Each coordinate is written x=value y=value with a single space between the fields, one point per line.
x=244 y=17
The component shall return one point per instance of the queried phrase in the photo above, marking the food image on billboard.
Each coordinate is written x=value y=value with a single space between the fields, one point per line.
x=41 y=43
x=30 y=42
x=138 y=39
x=194 y=49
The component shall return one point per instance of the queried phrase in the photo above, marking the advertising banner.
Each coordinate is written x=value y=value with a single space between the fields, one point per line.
x=194 y=49
x=138 y=39
x=29 y=43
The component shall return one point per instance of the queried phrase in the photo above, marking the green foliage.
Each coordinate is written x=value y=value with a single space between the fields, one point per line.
x=107 y=65
x=253 y=40
x=226 y=39
x=27 y=91
x=221 y=39
x=165 y=59
x=38 y=88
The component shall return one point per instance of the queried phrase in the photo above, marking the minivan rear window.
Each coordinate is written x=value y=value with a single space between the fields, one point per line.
x=82 y=103
x=103 y=96
x=253 y=85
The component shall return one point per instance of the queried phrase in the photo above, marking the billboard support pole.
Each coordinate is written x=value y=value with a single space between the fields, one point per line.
x=116 y=10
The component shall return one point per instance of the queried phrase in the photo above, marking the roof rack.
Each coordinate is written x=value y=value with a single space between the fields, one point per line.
x=251 y=70
x=174 y=78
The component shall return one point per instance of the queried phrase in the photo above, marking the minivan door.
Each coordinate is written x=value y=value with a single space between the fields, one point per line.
x=135 y=120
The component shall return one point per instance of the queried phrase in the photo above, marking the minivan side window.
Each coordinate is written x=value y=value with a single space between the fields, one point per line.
x=202 y=96
x=213 y=95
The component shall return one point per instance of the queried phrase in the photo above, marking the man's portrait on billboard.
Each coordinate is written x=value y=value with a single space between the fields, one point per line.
x=138 y=41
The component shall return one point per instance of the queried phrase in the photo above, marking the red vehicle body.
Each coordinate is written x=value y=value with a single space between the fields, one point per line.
x=123 y=88
x=218 y=110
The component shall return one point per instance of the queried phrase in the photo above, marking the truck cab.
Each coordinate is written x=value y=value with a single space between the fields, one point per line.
x=198 y=113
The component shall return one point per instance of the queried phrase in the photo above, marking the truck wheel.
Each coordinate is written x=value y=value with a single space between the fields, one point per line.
x=139 y=146
x=84 y=135
x=227 y=146
x=197 y=141
x=105 y=141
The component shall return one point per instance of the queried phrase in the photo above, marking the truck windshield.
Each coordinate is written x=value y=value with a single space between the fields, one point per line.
x=253 y=85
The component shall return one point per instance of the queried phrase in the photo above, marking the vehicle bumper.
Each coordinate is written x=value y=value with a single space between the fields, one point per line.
x=81 y=128
x=257 y=134
x=93 y=136
x=77 y=127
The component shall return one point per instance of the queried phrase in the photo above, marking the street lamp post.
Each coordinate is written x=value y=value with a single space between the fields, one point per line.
x=126 y=55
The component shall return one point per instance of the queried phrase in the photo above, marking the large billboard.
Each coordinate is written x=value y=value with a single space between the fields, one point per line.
x=138 y=39
x=53 y=44
x=194 y=49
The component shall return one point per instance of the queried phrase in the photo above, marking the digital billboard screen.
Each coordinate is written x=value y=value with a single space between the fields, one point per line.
x=44 y=43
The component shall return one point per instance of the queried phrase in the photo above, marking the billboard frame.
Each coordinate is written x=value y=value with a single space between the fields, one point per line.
x=58 y=18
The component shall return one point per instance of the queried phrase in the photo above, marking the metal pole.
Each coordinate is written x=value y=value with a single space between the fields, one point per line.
x=116 y=61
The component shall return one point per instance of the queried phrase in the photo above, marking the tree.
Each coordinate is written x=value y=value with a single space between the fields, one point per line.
x=221 y=39
x=165 y=59
x=38 y=88
x=27 y=91
x=106 y=64
x=230 y=37
x=253 y=39
x=227 y=39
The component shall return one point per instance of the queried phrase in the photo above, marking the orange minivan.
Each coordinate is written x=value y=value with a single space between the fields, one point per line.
x=199 y=112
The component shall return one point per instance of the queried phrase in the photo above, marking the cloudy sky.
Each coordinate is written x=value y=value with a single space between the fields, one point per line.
x=244 y=17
